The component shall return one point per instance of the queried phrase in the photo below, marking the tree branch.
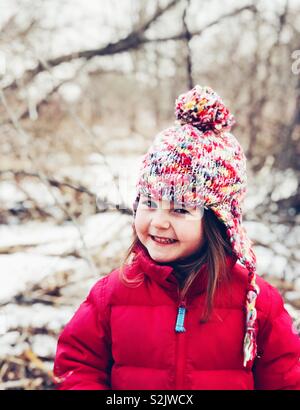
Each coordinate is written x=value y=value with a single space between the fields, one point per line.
x=131 y=42
x=187 y=39
x=122 y=208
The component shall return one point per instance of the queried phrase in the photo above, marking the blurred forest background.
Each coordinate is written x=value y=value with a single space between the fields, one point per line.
x=84 y=87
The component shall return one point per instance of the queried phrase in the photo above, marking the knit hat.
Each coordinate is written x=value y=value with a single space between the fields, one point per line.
x=198 y=162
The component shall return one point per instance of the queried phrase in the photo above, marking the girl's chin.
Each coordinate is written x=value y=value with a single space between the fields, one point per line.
x=161 y=259
x=161 y=256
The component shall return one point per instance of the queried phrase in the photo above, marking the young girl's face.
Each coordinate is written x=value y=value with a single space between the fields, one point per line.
x=169 y=232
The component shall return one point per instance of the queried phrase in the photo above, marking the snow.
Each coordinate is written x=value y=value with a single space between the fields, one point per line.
x=280 y=249
x=78 y=290
x=260 y=233
x=70 y=92
x=264 y=259
x=297 y=285
x=38 y=315
x=278 y=266
x=43 y=345
x=98 y=176
x=21 y=270
x=293 y=240
x=286 y=184
x=292 y=295
x=35 y=233
x=10 y=194
x=46 y=238
x=11 y=344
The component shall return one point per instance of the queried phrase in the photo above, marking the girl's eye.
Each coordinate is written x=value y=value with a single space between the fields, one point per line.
x=149 y=204
x=181 y=211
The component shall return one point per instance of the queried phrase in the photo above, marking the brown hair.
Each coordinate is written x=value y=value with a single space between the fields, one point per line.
x=214 y=251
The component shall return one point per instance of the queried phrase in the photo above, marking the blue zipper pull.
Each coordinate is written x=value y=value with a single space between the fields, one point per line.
x=180 y=318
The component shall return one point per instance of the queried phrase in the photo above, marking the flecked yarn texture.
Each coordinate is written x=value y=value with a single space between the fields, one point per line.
x=198 y=162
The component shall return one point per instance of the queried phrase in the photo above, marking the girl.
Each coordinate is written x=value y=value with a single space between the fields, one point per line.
x=185 y=311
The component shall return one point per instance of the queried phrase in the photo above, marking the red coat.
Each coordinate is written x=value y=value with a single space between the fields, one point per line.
x=124 y=338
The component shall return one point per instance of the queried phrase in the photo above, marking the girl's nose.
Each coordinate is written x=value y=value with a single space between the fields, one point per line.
x=160 y=220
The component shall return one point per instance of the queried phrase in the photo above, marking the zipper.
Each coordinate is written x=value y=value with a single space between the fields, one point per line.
x=181 y=310
x=180 y=342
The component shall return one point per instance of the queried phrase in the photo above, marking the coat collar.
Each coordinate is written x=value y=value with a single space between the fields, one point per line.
x=164 y=275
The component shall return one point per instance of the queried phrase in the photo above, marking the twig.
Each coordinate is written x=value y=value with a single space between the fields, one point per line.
x=36 y=362
x=3 y=370
x=44 y=179
x=122 y=208
x=255 y=117
x=182 y=35
x=16 y=360
x=188 y=38
x=131 y=42
x=87 y=131
x=13 y=384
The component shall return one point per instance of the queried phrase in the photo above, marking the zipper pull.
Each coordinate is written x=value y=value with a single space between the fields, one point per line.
x=180 y=318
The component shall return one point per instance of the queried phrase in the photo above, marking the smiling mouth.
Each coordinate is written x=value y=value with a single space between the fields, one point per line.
x=163 y=241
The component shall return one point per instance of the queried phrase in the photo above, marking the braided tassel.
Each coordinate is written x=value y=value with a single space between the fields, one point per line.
x=250 y=347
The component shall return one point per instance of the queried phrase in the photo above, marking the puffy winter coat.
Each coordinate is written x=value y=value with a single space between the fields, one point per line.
x=124 y=337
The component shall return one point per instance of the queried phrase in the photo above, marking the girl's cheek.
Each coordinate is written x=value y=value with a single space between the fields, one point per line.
x=141 y=221
x=137 y=221
x=189 y=228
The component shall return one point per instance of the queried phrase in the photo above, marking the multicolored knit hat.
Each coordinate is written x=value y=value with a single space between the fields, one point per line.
x=198 y=162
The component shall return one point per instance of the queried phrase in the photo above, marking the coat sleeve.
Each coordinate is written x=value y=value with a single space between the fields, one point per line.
x=83 y=358
x=277 y=366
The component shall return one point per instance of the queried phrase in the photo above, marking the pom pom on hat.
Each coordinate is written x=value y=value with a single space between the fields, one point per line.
x=204 y=109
